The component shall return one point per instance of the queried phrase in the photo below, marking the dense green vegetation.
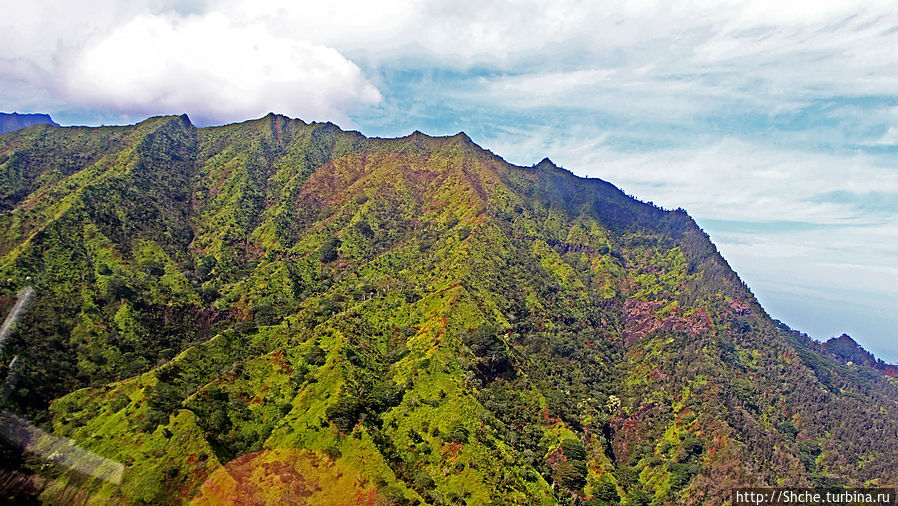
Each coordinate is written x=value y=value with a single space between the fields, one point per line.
x=397 y=321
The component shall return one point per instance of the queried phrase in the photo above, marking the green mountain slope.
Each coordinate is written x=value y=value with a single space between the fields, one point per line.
x=288 y=310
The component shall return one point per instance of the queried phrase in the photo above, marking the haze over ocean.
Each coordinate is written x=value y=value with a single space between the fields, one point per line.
x=775 y=124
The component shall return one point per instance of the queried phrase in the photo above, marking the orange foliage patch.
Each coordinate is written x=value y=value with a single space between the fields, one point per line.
x=450 y=450
x=277 y=358
x=242 y=311
x=287 y=476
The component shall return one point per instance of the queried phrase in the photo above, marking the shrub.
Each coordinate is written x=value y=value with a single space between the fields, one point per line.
x=330 y=250
x=626 y=476
x=423 y=481
x=365 y=229
x=487 y=346
x=344 y=413
x=680 y=474
x=458 y=433
x=605 y=492
x=316 y=355
x=573 y=449
x=120 y=402
x=571 y=474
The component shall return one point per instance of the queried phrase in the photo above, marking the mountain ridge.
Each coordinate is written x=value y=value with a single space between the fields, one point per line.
x=14 y=121
x=415 y=311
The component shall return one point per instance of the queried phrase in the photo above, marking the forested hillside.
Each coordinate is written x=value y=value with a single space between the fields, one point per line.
x=296 y=312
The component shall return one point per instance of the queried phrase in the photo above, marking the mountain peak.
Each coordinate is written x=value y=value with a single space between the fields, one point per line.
x=462 y=137
x=278 y=116
x=182 y=119
x=545 y=163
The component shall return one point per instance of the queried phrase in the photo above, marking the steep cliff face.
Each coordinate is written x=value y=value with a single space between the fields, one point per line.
x=223 y=310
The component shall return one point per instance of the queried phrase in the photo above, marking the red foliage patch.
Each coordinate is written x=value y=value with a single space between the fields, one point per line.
x=242 y=311
x=739 y=306
x=641 y=319
x=633 y=430
x=657 y=375
x=277 y=358
x=550 y=420
x=556 y=458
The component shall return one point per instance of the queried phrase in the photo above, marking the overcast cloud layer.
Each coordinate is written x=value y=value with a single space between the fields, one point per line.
x=775 y=124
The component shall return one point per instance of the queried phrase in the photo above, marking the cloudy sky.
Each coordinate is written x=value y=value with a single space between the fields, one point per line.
x=774 y=123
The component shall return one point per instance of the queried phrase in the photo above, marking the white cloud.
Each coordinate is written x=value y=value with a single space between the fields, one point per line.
x=728 y=179
x=134 y=59
x=737 y=180
x=824 y=281
x=676 y=59
x=890 y=138
x=214 y=69
x=700 y=62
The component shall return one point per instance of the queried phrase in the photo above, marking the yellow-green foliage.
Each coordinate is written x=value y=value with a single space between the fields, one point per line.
x=552 y=262
x=608 y=275
x=273 y=307
x=663 y=274
x=109 y=427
